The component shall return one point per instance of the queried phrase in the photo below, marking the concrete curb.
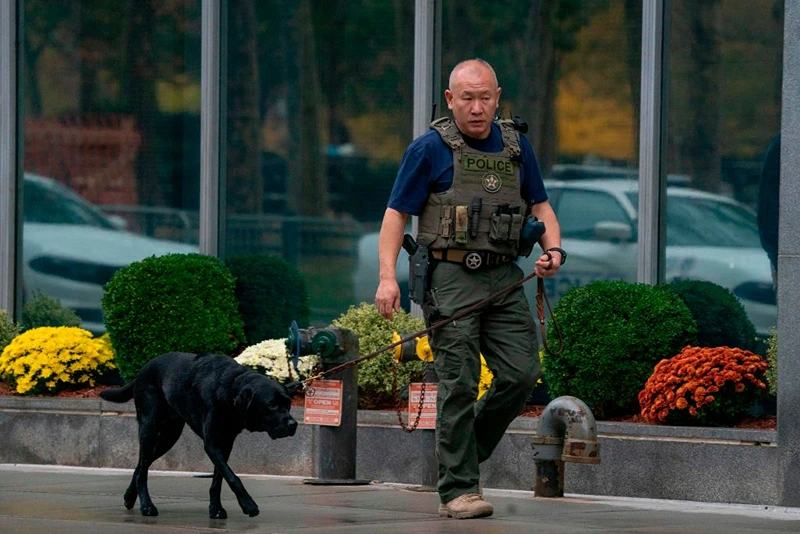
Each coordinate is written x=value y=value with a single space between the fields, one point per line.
x=644 y=461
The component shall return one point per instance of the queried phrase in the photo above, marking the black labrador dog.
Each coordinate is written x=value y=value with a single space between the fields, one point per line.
x=217 y=398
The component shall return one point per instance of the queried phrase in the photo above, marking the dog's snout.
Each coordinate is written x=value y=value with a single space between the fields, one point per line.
x=292 y=424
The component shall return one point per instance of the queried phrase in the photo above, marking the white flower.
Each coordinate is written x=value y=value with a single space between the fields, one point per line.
x=270 y=357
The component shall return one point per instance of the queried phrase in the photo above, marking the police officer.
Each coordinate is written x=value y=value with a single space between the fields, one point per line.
x=470 y=180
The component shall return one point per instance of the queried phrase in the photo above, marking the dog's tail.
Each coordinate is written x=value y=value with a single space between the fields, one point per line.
x=123 y=394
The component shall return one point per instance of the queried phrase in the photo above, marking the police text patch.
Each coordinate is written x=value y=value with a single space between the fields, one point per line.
x=472 y=162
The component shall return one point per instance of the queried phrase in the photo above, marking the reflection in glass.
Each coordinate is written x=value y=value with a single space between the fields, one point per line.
x=318 y=113
x=724 y=106
x=572 y=70
x=111 y=101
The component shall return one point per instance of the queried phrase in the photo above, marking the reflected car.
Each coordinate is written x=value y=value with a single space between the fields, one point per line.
x=708 y=237
x=70 y=248
x=366 y=275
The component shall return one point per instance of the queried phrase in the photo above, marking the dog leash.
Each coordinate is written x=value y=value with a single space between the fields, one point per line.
x=541 y=300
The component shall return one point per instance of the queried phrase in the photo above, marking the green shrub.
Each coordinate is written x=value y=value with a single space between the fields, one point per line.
x=49 y=359
x=772 y=360
x=177 y=302
x=720 y=317
x=8 y=330
x=375 y=332
x=271 y=293
x=42 y=310
x=614 y=334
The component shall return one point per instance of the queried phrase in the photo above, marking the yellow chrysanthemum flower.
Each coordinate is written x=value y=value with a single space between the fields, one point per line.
x=47 y=359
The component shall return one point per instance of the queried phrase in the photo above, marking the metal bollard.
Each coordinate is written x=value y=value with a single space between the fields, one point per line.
x=336 y=446
x=567 y=432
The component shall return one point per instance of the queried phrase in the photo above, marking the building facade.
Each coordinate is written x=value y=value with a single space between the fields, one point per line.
x=135 y=128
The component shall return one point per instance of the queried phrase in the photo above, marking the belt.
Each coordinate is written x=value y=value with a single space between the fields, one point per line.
x=471 y=259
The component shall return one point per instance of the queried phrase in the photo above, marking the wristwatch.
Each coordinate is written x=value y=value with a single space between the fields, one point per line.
x=560 y=251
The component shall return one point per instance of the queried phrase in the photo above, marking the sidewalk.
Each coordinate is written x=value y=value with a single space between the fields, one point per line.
x=64 y=500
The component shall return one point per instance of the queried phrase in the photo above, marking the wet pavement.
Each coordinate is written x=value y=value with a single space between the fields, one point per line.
x=43 y=499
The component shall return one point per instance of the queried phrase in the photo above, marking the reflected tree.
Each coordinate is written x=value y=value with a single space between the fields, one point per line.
x=633 y=59
x=88 y=59
x=307 y=188
x=703 y=132
x=139 y=93
x=244 y=184
x=525 y=40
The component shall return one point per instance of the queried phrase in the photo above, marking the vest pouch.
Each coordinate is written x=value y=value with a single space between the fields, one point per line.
x=500 y=228
x=446 y=223
x=462 y=224
x=516 y=228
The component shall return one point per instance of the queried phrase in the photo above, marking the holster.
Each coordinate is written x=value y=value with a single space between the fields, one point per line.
x=418 y=264
x=418 y=267
x=532 y=231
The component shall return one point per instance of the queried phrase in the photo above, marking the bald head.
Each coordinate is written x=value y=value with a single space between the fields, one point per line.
x=473 y=97
x=471 y=68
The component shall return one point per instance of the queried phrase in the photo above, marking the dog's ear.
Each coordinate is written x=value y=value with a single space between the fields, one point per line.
x=244 y=398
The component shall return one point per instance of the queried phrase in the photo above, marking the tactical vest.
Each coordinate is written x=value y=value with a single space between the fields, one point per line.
x=483 y=209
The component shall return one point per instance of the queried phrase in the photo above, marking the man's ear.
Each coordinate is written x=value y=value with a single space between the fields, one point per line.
x=448 y=97
x=244 y=398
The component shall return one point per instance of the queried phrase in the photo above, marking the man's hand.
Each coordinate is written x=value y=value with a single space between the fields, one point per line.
x=387 y=298
x=548 y=264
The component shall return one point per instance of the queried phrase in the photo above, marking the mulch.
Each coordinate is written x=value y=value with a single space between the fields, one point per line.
x=764 y=422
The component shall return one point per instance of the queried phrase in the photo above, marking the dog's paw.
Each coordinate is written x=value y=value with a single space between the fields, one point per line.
x=217 y=513
x=250 y=509
x=149 y=510
x=129 y=499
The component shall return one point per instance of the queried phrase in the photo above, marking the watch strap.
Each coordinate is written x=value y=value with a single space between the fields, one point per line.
x=560 y=251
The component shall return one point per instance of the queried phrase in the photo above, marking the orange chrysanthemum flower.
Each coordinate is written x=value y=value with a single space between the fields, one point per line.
x=696 y=378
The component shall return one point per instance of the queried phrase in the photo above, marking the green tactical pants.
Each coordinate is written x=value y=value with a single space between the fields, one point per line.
x=467 y=432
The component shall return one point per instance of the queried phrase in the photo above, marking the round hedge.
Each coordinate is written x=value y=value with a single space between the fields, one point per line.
x=177 y=302
x=721 y=319
x=614 y=334
x=271 y=294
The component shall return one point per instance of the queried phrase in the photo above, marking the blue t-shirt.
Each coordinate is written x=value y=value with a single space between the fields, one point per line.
x=427 y=167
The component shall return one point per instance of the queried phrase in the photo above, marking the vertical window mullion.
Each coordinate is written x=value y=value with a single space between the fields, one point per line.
x=651 y=254
x=9 y=150
x=210 y=138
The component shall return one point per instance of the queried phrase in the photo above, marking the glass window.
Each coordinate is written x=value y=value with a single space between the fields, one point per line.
x=318 y=112
x=111 y=114
x=579 y=212
x=724 y=70
x=572 y=71
x=702 y=222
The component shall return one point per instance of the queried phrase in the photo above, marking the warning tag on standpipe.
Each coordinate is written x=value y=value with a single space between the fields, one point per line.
x=323 y=403
x=427 y=419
